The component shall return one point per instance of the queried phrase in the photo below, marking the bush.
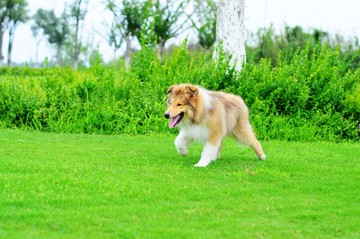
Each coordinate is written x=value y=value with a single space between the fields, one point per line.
x=308 y=95
x=314 y=89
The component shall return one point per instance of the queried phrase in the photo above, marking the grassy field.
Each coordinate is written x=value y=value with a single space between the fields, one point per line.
x=95 y=186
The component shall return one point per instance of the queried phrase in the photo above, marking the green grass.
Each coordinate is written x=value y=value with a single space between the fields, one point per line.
x=96 y=186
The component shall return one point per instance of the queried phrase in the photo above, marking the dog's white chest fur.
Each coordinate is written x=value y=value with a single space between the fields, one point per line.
x=198 y=133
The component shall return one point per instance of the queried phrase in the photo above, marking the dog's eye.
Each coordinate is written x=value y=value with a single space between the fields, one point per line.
x=179 y=104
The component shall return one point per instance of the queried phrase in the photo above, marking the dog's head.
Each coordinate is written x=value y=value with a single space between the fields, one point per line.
x=181 y=103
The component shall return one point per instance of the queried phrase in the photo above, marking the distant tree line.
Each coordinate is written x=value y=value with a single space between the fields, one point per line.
x=267 y=43
x=12 y=13
x=133 y=22
x=154 y=22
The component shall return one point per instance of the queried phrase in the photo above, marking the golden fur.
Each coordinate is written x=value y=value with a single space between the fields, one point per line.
x=208 y=116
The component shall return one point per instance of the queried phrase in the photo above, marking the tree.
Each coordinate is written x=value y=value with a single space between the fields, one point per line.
x=127 y=24
x=3 y=18
x=12 y=12
x=17 y=13
x=266 y=43
x=35 y=33
x=113 y=35
x=167 y=22
x=206 y=22
x=55 y=28
x=230 y=31
x=77 y=14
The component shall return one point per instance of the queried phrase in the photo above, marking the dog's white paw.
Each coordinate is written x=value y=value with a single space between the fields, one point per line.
x=262 y=157
x=183 y=151
x=203 y=163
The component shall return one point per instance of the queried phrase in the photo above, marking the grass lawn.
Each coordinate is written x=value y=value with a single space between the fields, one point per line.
x=96 y=186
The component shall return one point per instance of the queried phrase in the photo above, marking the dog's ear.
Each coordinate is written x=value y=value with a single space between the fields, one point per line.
x=170 y=89
x=191 y=90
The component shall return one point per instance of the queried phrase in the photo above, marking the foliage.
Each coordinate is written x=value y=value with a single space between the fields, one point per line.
x=307 y=90
x=65 y=32
x=267 y=43
x=12 y=12
x=146 y=21
x=128 y=18
x=310 y=94
x=55 y=28
x=168 y=21
x=206 y=23
x=17 y=12
x=95 y=186
x=129 y=21
x=77 y=13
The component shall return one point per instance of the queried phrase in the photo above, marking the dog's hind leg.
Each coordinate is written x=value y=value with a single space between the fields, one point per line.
x=245 y=135
x=181 y=143
x=256 y=146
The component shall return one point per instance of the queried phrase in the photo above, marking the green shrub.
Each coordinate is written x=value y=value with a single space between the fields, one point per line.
x=311 y=88
x=309 y=95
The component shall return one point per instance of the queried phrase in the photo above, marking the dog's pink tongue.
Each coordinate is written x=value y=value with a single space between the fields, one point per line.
x=173 y=121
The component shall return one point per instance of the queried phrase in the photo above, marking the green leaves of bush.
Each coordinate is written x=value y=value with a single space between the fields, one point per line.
x=311 y=94
x=313 y=88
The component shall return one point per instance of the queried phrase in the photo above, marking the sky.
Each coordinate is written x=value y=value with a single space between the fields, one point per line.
x=335 y=17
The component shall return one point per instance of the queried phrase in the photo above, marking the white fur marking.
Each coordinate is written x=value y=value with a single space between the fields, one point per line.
x=195 y=132
x=181 y=143
x=208 y=154
x=206 y=97
x=262 y=157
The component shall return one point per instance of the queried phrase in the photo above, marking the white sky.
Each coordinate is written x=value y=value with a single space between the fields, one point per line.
x=340 y=17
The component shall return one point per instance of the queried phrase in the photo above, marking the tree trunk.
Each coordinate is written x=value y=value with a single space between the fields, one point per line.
x=127 y=55
x=76 y=51
x=230 y=30
x=58 y=55
x=11 y=42
x=79 y=26
x=75 y=60
x=161 y=46
x=37 y=54
x=1 y=43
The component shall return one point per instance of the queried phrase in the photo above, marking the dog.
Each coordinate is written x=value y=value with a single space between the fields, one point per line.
x=208 y=117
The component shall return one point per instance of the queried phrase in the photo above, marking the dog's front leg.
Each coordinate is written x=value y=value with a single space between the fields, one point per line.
x=181 y=143
x=209 y=153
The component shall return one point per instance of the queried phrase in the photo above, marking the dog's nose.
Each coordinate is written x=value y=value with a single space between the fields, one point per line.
x=167 y=115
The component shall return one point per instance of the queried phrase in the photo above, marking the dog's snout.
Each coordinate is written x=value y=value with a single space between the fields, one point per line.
x=167 y=115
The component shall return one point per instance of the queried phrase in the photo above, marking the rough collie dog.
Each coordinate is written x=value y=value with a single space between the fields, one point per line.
x=208 y=116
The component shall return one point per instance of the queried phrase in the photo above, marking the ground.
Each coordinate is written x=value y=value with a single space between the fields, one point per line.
x=93 y=186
